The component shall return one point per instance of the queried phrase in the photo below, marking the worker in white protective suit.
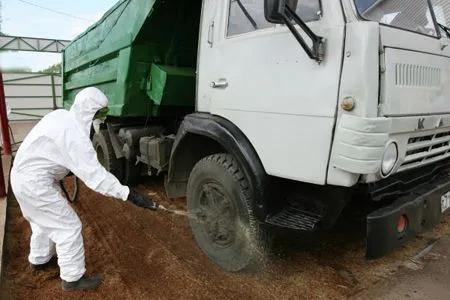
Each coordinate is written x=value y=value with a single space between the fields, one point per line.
x=58 y=144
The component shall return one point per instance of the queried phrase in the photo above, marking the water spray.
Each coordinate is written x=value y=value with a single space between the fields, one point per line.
x=176 y=211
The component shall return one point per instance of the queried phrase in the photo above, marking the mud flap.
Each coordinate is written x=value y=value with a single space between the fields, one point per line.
x=422 y=210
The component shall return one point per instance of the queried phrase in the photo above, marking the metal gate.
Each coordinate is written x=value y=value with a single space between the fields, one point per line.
x=30 y=96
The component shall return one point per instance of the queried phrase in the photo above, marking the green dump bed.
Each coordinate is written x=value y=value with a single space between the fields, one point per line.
x=142 y=54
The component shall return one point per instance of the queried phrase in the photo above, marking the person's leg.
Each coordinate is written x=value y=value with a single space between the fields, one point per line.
x=42 y=249
x=69 y=244
x=63 y=226
x=52 y=214
x=70 y=249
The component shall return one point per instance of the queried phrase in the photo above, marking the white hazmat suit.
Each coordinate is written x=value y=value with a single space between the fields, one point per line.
x=60 y=143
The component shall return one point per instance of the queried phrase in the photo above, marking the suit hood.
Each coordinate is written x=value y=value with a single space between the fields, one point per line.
x=87 y=102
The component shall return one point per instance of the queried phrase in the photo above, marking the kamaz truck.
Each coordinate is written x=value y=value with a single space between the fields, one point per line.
x=271 y=114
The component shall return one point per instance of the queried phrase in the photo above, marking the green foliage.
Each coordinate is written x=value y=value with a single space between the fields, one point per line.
x=56 y=68
x=16 y=70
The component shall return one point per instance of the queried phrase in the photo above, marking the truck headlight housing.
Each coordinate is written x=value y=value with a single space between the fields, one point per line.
x=390 y=158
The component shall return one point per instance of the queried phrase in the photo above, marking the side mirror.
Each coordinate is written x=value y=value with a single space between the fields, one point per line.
x=284 y=12
x=274 y=10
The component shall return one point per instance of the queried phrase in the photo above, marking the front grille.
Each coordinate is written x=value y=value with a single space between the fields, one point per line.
x=426 y=149
x=404 y=182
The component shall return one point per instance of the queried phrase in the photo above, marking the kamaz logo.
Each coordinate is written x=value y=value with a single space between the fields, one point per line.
x=420 y=125
x=421 y=121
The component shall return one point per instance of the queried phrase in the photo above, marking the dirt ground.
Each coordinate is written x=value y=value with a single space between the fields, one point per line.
x=148 y=255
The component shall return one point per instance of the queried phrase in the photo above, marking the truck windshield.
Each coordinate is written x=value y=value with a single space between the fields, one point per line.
x=442 y=11
x=413 y=15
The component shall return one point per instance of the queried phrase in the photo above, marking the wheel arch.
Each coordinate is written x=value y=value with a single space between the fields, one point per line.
x=202 y=134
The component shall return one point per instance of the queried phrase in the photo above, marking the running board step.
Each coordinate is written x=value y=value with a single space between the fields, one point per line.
x=295 y=218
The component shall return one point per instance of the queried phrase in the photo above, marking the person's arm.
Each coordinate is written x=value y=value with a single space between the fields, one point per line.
x=81 y=159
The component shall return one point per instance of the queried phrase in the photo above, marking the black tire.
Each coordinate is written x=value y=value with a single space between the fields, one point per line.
x=222 y=219
x=105 y=154
x=131 y=172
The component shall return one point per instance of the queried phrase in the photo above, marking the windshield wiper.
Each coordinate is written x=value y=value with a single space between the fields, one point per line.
x=247 y=14
x=445 y=28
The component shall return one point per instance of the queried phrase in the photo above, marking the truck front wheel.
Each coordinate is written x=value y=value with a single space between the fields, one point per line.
x=221 y=215
x=105 y=154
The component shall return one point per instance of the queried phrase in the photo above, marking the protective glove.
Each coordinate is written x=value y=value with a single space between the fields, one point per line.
x=142 y=201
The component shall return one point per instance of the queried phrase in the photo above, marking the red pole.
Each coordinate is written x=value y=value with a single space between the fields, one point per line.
x=2 y=180
x=4 y=120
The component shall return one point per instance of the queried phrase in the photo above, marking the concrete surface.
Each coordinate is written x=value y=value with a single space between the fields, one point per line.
x=6 y=164
x=424 y=278
x=20 y=130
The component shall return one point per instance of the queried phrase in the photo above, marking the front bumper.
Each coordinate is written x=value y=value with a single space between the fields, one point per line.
x=422 y=209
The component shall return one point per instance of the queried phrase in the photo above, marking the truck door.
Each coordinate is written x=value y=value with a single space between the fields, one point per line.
x=256 y=75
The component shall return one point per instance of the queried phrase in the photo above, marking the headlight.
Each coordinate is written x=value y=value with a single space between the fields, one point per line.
x=390 y=157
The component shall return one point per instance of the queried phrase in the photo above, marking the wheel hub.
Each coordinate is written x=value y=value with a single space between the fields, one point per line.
x=216 y=214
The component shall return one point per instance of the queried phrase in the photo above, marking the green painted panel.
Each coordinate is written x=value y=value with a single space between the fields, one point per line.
x=93 y=79
x=116 y=30
x=172 y=86
x=117 y=53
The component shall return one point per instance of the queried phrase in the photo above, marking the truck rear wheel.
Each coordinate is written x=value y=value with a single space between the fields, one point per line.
x=222 y=219
x=105 y=154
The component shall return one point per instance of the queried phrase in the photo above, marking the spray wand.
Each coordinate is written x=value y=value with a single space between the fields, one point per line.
x=158 y=207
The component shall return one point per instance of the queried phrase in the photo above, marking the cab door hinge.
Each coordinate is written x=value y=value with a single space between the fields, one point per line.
x=382 y=62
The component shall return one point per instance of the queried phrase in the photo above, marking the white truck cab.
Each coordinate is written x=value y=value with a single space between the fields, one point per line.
x=330 y=98
x=380 y=85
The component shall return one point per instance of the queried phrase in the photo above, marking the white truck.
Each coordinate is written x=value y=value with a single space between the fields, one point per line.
x=302 y=106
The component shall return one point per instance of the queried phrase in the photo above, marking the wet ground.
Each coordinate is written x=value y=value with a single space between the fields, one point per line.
x=148 y=255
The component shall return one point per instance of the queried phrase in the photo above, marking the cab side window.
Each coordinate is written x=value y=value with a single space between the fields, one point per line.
x=248 y=15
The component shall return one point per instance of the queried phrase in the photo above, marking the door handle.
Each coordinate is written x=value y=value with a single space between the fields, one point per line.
x=222 y=83
x=211 y=34
x=444 y=44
